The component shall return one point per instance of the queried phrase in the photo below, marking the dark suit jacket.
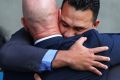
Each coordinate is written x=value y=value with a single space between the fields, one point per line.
x=95 y=39
x=17 y=55
x=27 y=64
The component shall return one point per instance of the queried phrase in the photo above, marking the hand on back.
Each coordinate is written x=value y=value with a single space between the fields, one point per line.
x=82 y=58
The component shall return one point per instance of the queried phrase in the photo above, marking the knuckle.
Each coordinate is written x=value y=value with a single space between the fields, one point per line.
x=92 y=57
x=100 y=65
x=91 y=68
x=105 y=58
x=91 y=50
x=88 y=67
x=102 y=57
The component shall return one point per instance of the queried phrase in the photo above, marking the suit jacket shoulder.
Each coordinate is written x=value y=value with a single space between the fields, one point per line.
x=19 y=49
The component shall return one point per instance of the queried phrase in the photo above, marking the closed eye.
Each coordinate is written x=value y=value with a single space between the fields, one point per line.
x=78 y=29
x=64 y=24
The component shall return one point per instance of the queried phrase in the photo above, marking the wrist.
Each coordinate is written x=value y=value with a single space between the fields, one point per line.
x=61 y=59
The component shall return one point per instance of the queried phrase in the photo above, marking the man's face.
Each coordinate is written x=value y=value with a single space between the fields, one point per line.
x=74 y=22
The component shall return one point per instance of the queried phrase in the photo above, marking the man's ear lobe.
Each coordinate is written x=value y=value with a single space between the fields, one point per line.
x=97 y=22
x=59 y=14
x=24 y=23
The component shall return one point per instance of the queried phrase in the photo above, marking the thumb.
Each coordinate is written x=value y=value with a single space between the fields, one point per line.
x=81 y=40
x=37 y=77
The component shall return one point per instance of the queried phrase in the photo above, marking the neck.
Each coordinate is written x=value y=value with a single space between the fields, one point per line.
x=46 y=34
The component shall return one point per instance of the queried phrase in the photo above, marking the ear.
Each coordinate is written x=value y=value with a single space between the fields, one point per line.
x=59 y=14
x=96 y=23
x=24 y=23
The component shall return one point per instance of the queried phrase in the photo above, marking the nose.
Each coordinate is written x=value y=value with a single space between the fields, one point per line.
x=69 y=33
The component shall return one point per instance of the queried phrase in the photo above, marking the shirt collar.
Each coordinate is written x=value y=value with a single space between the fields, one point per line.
x=45 y=38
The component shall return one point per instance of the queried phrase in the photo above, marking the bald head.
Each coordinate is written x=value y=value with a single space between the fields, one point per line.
x=40 y=13
x=43 y=9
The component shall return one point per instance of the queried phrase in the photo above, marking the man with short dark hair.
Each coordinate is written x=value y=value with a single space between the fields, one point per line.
x=78 y=16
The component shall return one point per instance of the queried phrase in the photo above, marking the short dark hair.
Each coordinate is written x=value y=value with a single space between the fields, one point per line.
x=93 y=5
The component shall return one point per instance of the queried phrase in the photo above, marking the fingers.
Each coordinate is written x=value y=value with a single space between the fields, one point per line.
x=94 y=70
x=101 y=58
x=81 y=40
x=99 y=49
x=37 y=77
x=100 y=65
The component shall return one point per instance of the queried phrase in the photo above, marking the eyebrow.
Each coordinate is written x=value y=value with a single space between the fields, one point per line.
x=74 y=26
x=82 y=27
x=64 y=22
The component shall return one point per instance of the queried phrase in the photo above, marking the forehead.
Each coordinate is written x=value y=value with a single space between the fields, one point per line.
x=70 y=13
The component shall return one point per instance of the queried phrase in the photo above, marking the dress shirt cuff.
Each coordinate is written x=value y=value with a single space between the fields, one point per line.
x=47 y=60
